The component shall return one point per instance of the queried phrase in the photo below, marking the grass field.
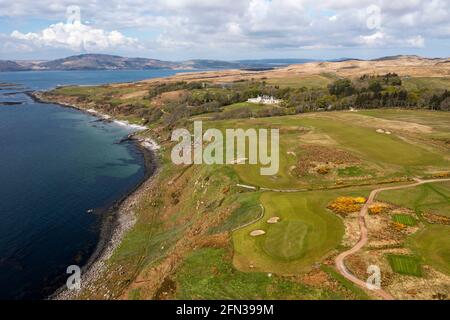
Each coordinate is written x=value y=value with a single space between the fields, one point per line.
x=439 y=121
x=254 y=107
x=405 y=265
x=208 y=274
x=393 y=155
x=433 y=245
x=306 y=233
x=423 y=83
x=434 y=198
x=313 y=81
x=404 y=219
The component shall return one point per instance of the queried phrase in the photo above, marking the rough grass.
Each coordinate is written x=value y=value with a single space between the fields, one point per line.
x=359 y=293
x=423 y=83
x=406 y=265
x=208 y=274
x=313 y=81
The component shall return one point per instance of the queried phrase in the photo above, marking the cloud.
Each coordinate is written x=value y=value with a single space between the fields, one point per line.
x=239 y=25
x=77 y=37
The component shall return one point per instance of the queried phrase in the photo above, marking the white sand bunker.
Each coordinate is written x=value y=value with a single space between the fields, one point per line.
x=273 y=220
x=382 y=131
x=257 y=233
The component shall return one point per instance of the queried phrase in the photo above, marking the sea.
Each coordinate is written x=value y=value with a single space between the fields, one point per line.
x=57 y=165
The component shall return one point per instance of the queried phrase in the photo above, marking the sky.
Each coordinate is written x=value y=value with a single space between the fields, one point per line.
x=224 y=29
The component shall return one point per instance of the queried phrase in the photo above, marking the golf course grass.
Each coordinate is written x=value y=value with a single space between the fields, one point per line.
x=433 y=198
x=433 y=245
x=405 y=265
x=393 y=156
x=208 y=274
x=404 y=219
x=306 y=233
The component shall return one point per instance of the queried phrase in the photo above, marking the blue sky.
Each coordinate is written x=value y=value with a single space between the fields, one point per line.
x=229 y=30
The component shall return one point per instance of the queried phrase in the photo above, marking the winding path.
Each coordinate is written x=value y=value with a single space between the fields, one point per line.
x=340 y=260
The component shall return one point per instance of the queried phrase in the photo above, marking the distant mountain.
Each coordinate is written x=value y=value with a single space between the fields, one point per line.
x=211 y=64
x=111 y=62
x=104 y=62
x=6 y=65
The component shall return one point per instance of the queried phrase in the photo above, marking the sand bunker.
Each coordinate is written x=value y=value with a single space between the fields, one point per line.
x=257 y=233
x=273 y=220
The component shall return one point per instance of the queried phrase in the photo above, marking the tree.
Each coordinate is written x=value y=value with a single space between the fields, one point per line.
x=375 y=86
x=342 y=88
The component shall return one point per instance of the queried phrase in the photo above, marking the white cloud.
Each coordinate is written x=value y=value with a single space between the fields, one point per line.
x=77 y=37
x=236 y=24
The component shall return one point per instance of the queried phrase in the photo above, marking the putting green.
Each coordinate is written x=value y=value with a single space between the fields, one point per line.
x=287 y=240
x=305 y=235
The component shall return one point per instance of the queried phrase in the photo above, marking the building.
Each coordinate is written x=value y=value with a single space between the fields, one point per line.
x=265 y=100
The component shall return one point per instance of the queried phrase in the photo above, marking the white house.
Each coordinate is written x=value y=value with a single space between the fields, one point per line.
x=265 y=100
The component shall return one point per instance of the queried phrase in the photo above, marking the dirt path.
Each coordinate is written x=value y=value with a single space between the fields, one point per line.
x=340 y=260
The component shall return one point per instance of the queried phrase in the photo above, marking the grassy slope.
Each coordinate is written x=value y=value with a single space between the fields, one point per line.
x=313 y=81
x=209 y=274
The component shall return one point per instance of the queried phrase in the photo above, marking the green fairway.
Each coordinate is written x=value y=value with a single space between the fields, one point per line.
x=306 y=233
x=374 y=146
x=246 y=105
x=405 y=265
x=404 y=219
x=433 y=244
x=435 y=119
x=434 y=198
x=390 y=154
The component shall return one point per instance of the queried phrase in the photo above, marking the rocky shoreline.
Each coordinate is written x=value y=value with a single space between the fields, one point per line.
x=118 y=219
x=112 y=231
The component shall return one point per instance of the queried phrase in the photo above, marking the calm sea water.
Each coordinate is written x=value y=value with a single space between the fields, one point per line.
x=55 y=165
